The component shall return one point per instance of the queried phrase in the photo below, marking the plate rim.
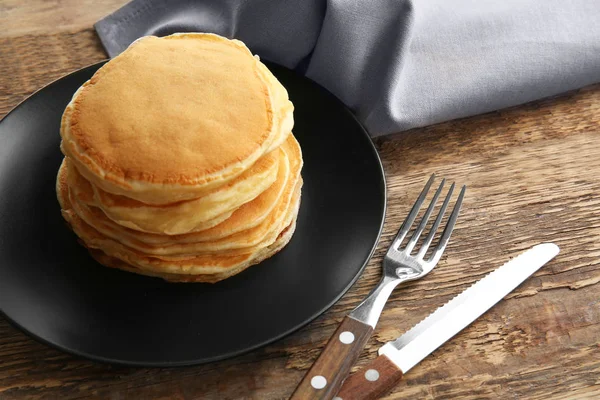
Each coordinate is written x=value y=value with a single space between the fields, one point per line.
x=273 y=339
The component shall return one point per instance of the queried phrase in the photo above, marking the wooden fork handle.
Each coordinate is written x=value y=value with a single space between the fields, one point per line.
x=372 y=381
x=324 y=379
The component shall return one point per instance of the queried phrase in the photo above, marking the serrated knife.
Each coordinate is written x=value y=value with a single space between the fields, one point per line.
x=397 y=357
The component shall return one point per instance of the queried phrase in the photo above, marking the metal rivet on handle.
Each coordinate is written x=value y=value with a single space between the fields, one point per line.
x=372 y=375
x=346 y=337
x=318 y=382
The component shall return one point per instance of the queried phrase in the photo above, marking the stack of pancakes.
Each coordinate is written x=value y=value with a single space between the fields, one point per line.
x=179 y=160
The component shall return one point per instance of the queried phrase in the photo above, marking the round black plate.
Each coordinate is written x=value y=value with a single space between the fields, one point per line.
x=52 y=289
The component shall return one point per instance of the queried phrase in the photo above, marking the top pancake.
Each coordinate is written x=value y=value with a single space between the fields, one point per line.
x=172 y=117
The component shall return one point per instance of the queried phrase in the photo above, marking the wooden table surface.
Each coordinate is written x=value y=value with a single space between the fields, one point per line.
x=533 y=174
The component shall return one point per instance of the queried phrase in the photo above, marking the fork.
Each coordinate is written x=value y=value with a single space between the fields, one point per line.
x=327 y=374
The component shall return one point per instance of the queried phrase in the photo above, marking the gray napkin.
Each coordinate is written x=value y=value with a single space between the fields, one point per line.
x=398 y=64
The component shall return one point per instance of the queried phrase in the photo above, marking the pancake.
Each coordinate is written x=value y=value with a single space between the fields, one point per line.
x=284 y=114
x=262 y=235
x=243 y=242
x=171 y=118
x=179 y=160
x=202 y=268
x=215 y=272
x=246 y=217
x=185 y=216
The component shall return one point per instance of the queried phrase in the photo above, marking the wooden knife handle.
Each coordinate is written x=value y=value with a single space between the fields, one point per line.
x=325 y=377
x=372 y=381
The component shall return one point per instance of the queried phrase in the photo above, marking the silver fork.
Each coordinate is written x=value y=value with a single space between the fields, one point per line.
x=327 y=374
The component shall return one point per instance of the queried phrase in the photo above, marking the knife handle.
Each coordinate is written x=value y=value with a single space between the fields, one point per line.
x=325 y=377
x=372 y=381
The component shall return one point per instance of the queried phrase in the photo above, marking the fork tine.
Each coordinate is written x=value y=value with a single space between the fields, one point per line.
x=412 y=215
x=437 y=253
x=413 y=240
x=436 y=224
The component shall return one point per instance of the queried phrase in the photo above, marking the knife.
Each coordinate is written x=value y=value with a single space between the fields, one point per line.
x=397 y=357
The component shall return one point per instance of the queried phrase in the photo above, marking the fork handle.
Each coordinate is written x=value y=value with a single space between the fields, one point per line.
x=325 y=377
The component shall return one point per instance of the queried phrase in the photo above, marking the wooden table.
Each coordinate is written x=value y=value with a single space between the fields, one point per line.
x=533 y=174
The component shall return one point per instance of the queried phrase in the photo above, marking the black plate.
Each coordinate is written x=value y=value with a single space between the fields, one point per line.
x=52 y=289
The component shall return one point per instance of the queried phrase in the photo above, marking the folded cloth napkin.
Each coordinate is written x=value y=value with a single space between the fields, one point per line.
x=397 y=64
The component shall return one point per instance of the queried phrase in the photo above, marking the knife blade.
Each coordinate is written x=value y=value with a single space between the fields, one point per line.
x=399 y=356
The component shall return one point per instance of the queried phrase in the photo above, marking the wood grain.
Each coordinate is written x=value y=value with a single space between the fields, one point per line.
x=51 y=16
x=358 y=386
x=335 y=362
x=533 y=174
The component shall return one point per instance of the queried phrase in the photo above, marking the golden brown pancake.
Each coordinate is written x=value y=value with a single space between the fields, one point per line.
x=172 y=117
x=179 y=272
x=284 y=113
x=115 y=243
x=202 y=268
x=242 y=242
x=246 y=217
x=179 y=160
x=185 y=216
